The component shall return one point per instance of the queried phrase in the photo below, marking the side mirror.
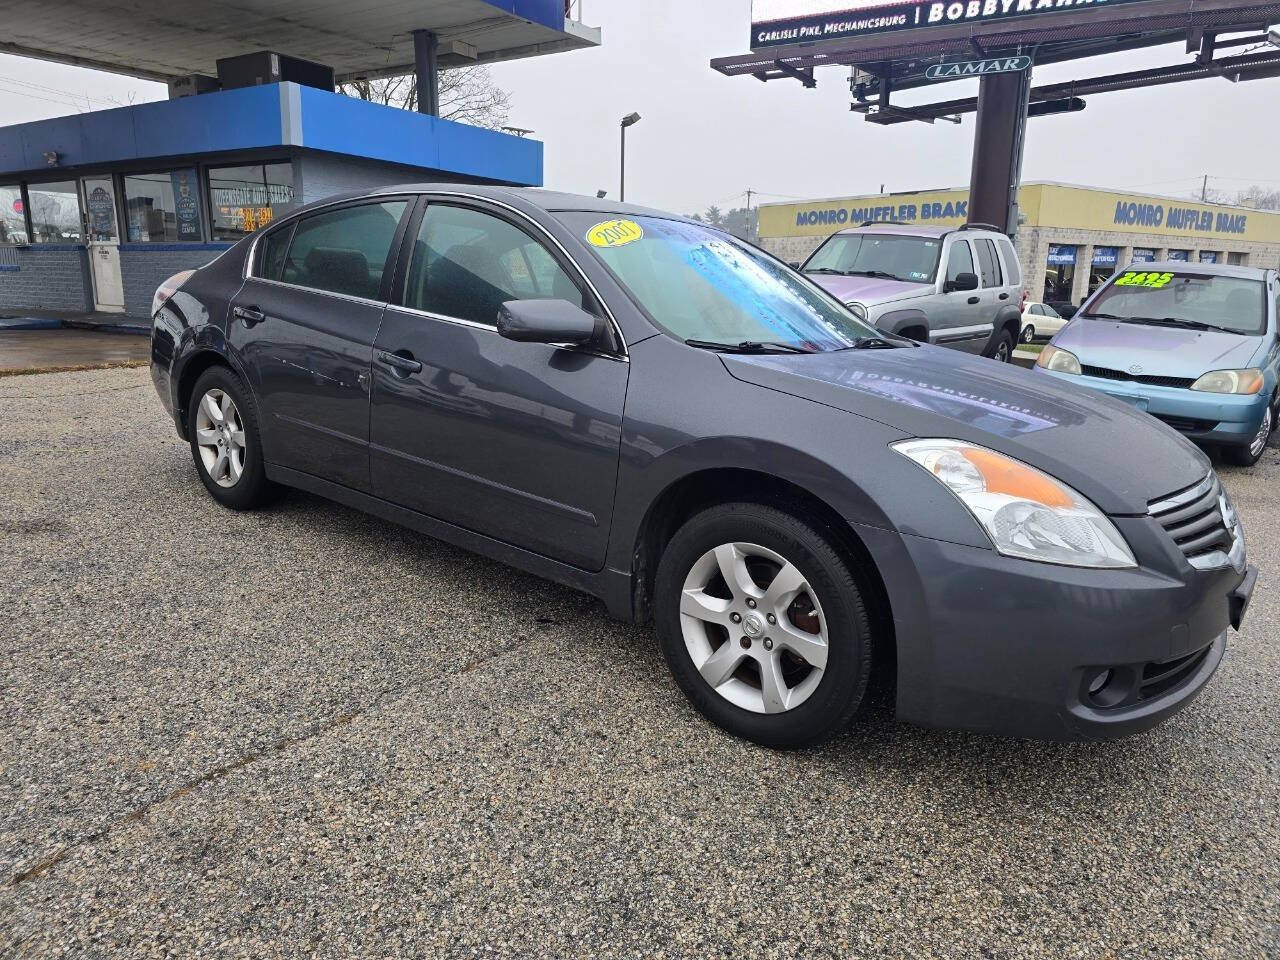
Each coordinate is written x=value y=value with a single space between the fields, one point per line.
x=793 y=264
x=963 y=281
x=547 y=321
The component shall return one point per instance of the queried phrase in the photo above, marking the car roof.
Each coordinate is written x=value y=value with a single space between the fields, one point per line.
x=1212 y=269
x=550 y=201
x=902 y=229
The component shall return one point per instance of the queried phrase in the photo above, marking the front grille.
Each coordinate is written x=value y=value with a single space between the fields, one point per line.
x=1161 y=676
x=1196 y=519
x=1107 y=373
x=1186 y=424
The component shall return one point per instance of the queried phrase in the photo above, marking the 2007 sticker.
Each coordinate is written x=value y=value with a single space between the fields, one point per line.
x=615 y=233
x=1154 y=280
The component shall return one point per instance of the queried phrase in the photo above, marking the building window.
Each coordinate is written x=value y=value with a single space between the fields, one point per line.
x=163 y=207
x=55 y=212
x=1208 y=256
x=13 y=221
x=1060 y=273
x=1104 y=265
x=1238 y=259
x=246 y=198
x=1143 y=255
x=1179 y=256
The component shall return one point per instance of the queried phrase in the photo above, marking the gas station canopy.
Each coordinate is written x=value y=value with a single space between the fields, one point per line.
x=164 y=39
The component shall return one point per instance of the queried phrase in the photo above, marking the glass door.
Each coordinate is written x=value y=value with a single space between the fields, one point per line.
x=103 y=239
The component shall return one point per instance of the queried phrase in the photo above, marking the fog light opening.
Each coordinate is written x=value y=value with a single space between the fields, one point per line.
x=1099 y=681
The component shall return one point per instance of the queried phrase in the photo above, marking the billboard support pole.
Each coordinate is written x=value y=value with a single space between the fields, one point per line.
x=998 y=144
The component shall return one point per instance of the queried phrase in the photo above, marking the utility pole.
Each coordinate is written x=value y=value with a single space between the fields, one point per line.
x=1204 y=189
x=748 y=220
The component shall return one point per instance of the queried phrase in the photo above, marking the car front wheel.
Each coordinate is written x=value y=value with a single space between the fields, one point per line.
x=763 y=625
x=1248 y=455
x=222 y=426
x=1028 y=333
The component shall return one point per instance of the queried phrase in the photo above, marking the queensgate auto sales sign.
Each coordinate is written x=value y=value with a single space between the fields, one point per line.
x=776 y=22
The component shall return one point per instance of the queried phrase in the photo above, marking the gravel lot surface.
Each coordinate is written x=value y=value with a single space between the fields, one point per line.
x=308 y=732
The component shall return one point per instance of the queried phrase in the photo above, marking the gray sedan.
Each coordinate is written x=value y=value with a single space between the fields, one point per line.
x=647 y=409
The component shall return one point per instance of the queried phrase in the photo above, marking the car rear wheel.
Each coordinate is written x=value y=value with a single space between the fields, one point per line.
x=1003 y=351
x=222 y=425
x=1247 y=456
x=1028 y=333
x=763 y=625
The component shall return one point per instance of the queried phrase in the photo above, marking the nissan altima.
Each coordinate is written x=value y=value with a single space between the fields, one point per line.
x=649 y=410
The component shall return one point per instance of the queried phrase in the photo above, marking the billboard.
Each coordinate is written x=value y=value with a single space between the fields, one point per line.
x=777 y=22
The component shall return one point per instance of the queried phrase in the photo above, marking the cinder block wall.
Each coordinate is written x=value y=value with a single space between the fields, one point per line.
x=144 y=266
x=45 y=277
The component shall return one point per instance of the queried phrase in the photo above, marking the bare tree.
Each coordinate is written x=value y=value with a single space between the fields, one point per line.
x=1260 y=198
x=467 y=95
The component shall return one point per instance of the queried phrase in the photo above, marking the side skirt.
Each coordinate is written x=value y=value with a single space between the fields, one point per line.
x=611 y=586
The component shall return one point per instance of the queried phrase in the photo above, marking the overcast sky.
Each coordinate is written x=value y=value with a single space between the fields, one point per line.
x=705 y=138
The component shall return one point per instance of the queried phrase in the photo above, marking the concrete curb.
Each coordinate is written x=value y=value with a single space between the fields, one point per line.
x=29 y=323
x=129 y=327
x=1025 y=359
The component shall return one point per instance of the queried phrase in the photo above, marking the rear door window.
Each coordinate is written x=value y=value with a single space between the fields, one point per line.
x=987 y=263
x=1013 y=273
x=344 y=251
x=959 y=260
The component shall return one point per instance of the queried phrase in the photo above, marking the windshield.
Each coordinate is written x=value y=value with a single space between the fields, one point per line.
x=699 y=284
x=1184 y=298
x=909 y=259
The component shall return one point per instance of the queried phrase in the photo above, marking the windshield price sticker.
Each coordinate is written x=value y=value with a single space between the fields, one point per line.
x=615 y=233
x=1152 y=280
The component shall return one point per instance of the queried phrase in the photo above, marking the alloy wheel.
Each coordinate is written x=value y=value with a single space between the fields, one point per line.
x=1028 y=334
x=1003 y=351
x=220 y=438
x=754 y=628
x=1264 y=434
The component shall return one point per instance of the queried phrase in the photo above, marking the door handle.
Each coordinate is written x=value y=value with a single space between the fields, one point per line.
x=1004 y=296
x=399 y=362
x=975 y=299
x=250 y=315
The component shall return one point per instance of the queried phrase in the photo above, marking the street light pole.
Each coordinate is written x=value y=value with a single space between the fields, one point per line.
x=629 y=120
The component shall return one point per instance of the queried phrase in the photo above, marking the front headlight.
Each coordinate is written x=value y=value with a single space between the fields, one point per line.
x=859 y=311
x=1230 y=381
x=1059 y=360
x=1026 y=513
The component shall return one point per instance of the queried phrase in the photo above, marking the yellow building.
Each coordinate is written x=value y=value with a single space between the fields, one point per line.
x=1070 y=238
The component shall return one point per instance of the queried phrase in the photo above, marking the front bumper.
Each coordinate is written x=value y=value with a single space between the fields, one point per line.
x=1009 y=647
x=1216 y=418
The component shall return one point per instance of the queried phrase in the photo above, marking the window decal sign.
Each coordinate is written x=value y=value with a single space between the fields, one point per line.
x=615 y=233
x=1154 y=280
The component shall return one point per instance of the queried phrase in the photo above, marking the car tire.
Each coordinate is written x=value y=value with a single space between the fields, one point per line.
x=1028 y=333
x=1249 y=454
x=226 y=446
x=792 y=669
x=1002 y=352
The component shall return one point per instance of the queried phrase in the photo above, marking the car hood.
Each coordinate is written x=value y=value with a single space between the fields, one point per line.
x=1119 y=458
x=868 y=290
x=1159 y=351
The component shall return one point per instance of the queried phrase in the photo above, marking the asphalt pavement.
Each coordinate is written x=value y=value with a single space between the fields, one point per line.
x=306 y=732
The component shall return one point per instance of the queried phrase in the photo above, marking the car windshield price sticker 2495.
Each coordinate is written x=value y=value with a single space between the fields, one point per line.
x=1154 y=280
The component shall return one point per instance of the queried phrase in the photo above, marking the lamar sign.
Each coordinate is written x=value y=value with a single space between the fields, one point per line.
x=976 y=68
